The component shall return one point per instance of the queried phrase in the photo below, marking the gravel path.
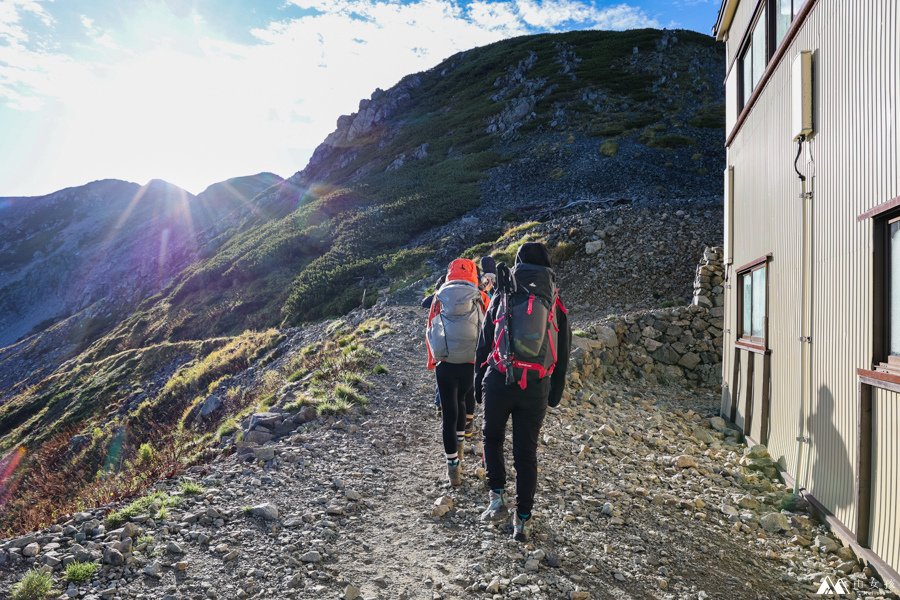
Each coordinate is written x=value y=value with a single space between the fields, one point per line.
x=641 y=495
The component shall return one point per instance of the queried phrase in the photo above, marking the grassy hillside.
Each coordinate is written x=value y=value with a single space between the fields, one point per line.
x=358 y=209
x=517 y=129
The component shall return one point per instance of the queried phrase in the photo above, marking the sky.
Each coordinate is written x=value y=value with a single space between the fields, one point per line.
x=197 y=91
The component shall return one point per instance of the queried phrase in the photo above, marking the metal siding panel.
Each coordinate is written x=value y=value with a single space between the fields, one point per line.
x=855 y=154
x=739 y=25
x=740 y=393
x=885 y=524
x=756 y=419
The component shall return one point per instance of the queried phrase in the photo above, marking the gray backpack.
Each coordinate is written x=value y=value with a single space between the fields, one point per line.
x=453 y=333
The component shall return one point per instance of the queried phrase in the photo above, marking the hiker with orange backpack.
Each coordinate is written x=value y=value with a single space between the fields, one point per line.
x=451 y=335
x=522 y=358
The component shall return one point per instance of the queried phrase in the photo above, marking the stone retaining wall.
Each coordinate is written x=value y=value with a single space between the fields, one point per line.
x=680 y=343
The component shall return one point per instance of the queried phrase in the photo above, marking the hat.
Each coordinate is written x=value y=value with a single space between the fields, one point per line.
x=533 y=253
x=488 y=265
x=463 y=269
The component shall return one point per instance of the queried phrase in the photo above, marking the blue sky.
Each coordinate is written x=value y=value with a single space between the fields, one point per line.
x=196 y=91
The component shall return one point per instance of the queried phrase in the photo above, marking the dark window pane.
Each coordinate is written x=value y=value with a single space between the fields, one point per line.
x=759 y=303
x=746 y=317
x=747 y=74
x=783 y=17
x=758 y=44
x=894 y=286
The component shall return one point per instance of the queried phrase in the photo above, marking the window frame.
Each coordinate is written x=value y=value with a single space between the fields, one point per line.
x=745 y=53
x=751 y=342
x=772 y=45
x=881 y=285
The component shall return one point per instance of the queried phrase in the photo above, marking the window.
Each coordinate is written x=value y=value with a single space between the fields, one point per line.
x=765 y=36
x=755 y=57
x=885 y=285
x=783 y=13
x=892 y=302
x=752 y=300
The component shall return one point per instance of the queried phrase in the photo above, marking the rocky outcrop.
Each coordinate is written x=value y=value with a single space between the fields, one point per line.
x=374 y=111
x=680 y=343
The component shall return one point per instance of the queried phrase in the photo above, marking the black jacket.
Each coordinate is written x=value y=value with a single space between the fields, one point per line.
x=486 y=346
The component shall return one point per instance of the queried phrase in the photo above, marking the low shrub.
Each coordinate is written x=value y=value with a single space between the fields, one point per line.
x=37 y=584
x=151 y=504
x=80 y=572
x=192 y=488
x=609 y=148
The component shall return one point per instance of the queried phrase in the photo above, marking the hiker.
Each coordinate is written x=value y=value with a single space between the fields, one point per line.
x=426 y=303
x=488 y=280
x=454 y=324
x=488 y=275
x=522 y=357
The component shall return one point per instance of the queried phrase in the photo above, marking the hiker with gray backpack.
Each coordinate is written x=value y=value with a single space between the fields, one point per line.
x=451 y=335
x=522 y=358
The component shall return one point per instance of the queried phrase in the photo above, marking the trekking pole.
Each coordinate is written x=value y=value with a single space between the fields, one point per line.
x=507 y=284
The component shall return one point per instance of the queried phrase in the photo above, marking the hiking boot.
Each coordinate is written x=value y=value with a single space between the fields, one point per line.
x=460 y=448
x=521 y=527
x=454 y=474
x=470 y=428
x=496 y=509
x=437 y=411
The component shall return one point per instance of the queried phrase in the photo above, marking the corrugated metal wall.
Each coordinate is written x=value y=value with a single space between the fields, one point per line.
x=885 y=525
x=855 y=164
x=739 y=25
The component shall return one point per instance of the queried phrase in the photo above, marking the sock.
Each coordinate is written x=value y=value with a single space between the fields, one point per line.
x=460 y=436
x=525 y=516
x=498 y=491
x=453 y=459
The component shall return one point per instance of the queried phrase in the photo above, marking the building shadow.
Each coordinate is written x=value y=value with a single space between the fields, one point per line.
x=831 y=478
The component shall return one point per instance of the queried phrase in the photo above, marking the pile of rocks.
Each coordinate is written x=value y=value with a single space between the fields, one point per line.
x=680 y=343
x=709 y=283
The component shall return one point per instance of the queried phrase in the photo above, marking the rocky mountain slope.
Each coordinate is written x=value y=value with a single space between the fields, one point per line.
x=76 y=262
x=643 y=493
x=605 y=145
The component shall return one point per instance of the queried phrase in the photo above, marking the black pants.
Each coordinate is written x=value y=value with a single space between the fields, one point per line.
x=470 y=399
x=527 y=408
x=454 y=382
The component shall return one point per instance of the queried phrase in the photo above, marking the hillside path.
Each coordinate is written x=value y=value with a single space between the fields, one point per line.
x=617 y=514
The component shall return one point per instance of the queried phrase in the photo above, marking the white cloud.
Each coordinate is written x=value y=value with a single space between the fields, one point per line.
x=551 y=14
x=96 y=34
x=199 y=108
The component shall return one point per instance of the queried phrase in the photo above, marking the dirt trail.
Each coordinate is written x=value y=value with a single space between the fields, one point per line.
x=638 y=497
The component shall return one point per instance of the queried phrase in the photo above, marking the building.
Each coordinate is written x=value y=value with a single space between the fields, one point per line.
x=811 y=355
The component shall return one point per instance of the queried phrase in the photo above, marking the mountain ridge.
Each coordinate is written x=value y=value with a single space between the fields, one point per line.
x=486 y=145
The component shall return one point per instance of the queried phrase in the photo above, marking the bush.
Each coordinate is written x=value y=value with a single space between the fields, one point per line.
x=79 y=572
x=609 y=148
x=344 y=392
x=562 y=252
x=145 y=453
x=192 y=488
x=150 y=504
x=35 y=585
x=710 y=116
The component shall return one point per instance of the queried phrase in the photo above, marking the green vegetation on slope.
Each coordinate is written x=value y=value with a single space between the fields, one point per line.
x=355 y=215
x=101 y=431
